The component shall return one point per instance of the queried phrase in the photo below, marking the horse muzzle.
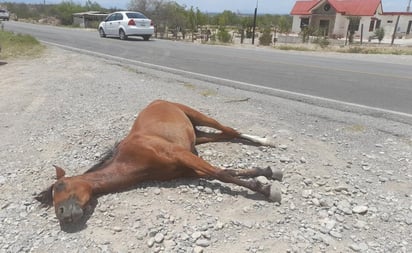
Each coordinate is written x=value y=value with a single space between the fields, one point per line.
x=69 y=211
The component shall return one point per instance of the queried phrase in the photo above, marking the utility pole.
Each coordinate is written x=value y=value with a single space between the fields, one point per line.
x=254 y=23
x=408 y=8
x=394 y=30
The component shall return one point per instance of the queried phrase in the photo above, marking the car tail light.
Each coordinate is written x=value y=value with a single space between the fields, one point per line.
x=151 y=23
x=131 y=22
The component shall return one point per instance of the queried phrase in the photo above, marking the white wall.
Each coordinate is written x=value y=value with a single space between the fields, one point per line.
x=341 y=25
x=389 y=22
x=296 y=24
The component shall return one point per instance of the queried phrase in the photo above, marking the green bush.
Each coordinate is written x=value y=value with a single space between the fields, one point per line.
x=323 y=42
x=380 y=33
x=223 y=35
x=266 y=38
x=306 y=32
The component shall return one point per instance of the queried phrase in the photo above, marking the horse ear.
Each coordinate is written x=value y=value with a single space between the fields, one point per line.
x=59 y=172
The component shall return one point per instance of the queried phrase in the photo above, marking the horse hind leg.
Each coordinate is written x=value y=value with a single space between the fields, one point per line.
x=264 y=141
x=204 y=137
x=227 y=133
x=204 y=169
x=199 y=119
x=232 y=135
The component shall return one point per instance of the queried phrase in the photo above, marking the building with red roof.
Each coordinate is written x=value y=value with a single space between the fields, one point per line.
x=332 y=17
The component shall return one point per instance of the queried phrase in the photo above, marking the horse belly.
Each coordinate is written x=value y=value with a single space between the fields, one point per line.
x=169 y=173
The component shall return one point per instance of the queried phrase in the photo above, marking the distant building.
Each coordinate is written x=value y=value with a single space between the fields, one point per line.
x=89 y=19
x=332 y=17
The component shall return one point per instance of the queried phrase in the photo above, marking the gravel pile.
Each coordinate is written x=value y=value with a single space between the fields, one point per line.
x=347 y=183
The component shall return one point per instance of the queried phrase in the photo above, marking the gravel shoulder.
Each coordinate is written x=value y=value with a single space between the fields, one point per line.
x=347 y=184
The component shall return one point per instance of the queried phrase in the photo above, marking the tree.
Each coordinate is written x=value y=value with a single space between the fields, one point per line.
x=284 y=24
x=165 y=14
x=306 y=32
x=92 y=6
x=266 y=38
x=380 y=33
x=65 y=11
x=226 y=18
x=142 y=5
x=22 y=10
x=223 y=35
x=192 y=19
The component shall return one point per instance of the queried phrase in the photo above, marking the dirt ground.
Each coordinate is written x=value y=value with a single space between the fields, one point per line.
x=347 y=184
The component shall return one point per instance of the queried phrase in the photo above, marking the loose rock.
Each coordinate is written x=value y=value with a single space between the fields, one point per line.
x=360 y=209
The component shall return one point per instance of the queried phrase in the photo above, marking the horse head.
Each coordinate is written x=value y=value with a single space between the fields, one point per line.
x=69 y=195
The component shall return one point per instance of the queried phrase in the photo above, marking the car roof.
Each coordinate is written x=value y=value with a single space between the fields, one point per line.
x=137 y=15
x=127 y=12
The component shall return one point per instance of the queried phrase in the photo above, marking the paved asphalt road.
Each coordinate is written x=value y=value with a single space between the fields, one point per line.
x=375 y=84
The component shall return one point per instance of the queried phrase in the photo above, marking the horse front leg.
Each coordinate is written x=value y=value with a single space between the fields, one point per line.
x=272 y=192
x=268 y=172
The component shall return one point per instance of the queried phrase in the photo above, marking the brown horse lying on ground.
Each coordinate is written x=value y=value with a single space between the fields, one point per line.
x=160 y=146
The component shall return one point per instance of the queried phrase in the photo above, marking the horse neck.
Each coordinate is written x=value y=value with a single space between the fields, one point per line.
x=112 y=178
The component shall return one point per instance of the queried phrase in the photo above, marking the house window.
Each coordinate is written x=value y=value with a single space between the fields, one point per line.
x=304 y=22
x=390 y=21
x=354 y=24
x=408 y=31
x=371 y=25
x=378 y=24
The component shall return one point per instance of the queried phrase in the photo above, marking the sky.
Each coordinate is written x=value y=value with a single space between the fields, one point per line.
x=242 y=6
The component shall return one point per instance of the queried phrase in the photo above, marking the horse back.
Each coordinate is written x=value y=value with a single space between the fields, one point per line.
x=165 y=120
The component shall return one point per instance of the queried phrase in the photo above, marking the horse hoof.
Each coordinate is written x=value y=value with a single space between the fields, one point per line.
x=277 y=174
x=270 y=142
x=275 y=194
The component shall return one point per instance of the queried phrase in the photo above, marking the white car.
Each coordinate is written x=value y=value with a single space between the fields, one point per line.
x=126 y=23
x=4 y=14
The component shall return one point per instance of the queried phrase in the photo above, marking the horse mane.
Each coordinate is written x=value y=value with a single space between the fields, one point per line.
x=107 y=156
x=45 y=197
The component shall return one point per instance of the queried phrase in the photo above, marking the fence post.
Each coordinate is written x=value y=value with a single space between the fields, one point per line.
x=361 y=34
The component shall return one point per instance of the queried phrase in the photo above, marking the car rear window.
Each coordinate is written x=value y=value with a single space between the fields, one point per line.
x=2 y=11
x=135 y=15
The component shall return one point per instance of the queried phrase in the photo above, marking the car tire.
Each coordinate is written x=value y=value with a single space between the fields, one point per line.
x=122 y=35
x=101 y=33
x=146 y=37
